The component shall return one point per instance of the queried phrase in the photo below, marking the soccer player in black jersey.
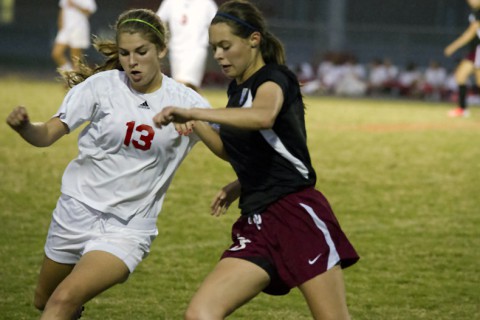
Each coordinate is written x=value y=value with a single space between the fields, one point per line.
x=471 y=63
x=287 y=235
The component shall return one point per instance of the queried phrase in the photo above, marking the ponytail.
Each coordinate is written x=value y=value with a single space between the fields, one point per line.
x=272 y=49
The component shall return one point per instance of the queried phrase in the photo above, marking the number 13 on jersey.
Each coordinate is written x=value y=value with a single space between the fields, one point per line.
x=146 y=136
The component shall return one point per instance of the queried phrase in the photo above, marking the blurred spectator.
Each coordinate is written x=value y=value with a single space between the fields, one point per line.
x=333 y=76
x=325 y=65
x=451 y=85
x=329 y=72
x=434 y=81
x=305 y=72
x=342 y=75
x=393 y=73
x=382 y=76
x=317 y=85
x=376 y=76
x=353 y=80
x=357 y=69
x=409 y=81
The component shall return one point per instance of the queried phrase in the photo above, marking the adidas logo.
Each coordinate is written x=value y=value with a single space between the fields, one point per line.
x=144 y=105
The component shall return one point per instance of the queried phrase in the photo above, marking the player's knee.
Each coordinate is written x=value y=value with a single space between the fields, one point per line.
x=191 y=314
x=64 y=300
x=336 y=315
x=196 y=312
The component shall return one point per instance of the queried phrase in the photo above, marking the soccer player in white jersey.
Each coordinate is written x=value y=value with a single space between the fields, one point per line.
x=188 y=22
x=111 y=194
x=73 y=32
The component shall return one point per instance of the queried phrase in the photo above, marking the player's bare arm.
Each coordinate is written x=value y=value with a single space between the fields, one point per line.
x=465 y=38
x=261 y=115
x=39 y=134
x=211 y=138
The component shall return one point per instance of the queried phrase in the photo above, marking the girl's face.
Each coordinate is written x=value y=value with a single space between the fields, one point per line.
x=141 y=61
x=239 y=58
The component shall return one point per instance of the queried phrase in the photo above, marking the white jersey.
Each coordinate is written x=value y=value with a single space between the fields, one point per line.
x=73 y=18
x=125 y=163
x=188 y=22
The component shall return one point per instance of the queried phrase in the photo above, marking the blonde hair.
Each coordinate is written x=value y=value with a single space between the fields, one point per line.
x=142 y=21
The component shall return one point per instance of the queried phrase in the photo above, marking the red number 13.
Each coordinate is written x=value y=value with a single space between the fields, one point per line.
x=146 y=137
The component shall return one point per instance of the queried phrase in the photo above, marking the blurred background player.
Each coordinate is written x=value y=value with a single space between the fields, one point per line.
x=471 y=63
x=434 y=81
x=73 y=32
x=188 y=22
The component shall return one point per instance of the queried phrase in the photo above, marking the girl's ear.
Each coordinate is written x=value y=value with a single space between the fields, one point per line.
x=162 y=53
x=255 y=39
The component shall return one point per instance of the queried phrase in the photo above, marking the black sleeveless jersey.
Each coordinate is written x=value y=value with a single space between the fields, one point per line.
x=474 y=16
x=275 y=162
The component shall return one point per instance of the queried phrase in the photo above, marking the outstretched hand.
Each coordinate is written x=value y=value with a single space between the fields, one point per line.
x=224 y=198
x=18 y=118
x=450 y=50
x=171 y=114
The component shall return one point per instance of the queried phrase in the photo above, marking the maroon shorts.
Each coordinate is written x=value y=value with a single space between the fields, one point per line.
x=295 y=239
x=471 y=55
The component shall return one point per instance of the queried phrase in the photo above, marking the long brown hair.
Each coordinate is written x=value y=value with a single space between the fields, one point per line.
x=142 y=21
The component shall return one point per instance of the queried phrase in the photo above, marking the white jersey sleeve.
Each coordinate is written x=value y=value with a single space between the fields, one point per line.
x=78 y=106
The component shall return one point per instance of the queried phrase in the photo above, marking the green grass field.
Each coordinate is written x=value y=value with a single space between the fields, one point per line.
x=403 y=179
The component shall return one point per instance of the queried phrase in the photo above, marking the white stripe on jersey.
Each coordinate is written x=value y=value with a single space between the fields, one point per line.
x=274 y=141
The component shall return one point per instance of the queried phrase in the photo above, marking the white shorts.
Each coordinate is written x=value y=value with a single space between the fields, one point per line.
x=188 y=67
x=76 y=229
x=77 y=37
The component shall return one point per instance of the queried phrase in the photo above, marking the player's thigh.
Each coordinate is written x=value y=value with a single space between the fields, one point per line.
x=477 y=76
x=463 y=71
x=51 y=274
x=94 y=273
x=325 y=295
x=231 y=284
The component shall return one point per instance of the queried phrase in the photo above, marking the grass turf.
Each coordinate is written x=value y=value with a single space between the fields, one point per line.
x=402 y=178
